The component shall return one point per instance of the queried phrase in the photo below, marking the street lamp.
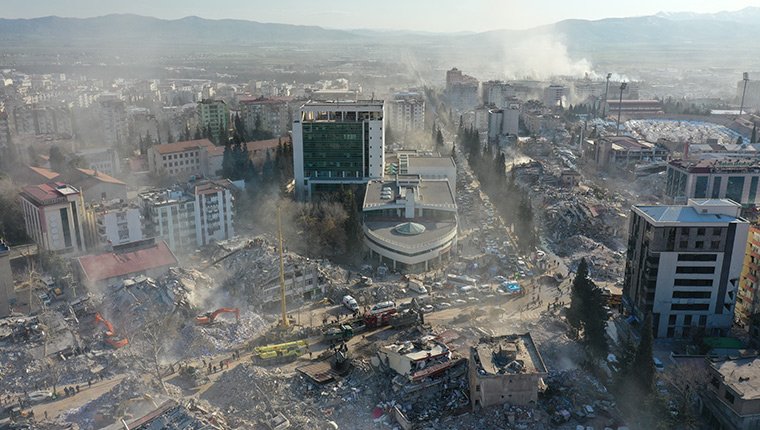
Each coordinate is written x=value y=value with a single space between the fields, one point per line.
x=620 y=105
x=745 y=78
x=606 y=90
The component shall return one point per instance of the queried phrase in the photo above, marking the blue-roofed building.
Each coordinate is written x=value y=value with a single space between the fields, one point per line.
x=684 y=264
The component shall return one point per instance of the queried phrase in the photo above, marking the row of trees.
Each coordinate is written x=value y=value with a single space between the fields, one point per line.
x=491 y=171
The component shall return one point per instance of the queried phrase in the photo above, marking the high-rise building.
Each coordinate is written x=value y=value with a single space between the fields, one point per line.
x=112 y=223
x=406 y=112
x=337 y=143
x=462 y=90
x=113 y=120
x=213 y=211
x=684 y=264
x=265 y=115
x=53 y=217
x=214 y=116
x=503 y=122
x=498 y=94
x=7 y=149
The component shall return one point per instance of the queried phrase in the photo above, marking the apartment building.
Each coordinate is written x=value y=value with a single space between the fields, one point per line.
x=265 y=114
x=112 y=223
x=406 y=112
x=684 y=264
x=213 y=211
x=214 y=115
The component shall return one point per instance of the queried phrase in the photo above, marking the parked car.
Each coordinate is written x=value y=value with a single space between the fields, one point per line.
x=350 y=303
x=443 y=305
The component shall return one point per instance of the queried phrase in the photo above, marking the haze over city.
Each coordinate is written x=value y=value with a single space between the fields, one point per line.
x=353 y=215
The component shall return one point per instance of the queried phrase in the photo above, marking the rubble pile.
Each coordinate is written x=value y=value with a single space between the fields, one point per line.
x=221 y=337
x=124 y=400
x=251 y=395
x=604 y=263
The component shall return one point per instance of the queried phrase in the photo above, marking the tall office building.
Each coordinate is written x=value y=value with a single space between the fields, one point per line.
x=53 y=217
x=684 y=264
x=337 y=143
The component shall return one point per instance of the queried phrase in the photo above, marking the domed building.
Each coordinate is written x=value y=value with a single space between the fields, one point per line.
x=410 y=223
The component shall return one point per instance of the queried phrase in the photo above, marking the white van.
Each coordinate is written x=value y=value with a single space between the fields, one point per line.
x=350 y=303
x=417 y=286
x=382 y=307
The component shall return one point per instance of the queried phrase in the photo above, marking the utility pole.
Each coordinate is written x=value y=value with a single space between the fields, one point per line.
x=285 y=322
x=606 y=90
x=745 y=78
x=620 y=106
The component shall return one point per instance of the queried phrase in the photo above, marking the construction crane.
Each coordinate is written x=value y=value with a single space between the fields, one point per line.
x=110 y=336
x=285 y=322
x=209 y=317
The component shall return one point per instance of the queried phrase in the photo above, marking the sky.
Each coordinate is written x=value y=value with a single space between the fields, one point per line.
x=419 y=15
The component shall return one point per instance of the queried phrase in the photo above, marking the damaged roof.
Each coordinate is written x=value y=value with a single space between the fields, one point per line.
x=98 y=267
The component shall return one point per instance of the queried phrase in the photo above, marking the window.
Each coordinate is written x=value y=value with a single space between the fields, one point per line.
x=700 y=244
x=697 y=257
x=684 y=244
x=715 y=244
x=730 y=397
x=689 y=307
x=672 y=320
x=693 y=282
x=701 y=231
x=691 y=295
x=696 y=269
x=716 y=231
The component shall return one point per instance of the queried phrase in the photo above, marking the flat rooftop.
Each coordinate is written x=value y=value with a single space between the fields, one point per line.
x=386 y=230
x=430 y=193
x=509 y=354
x=418 y=350
x=698 y=211
x=721 y=164
x=628 y=143
x=742 y=375
x=443 y=162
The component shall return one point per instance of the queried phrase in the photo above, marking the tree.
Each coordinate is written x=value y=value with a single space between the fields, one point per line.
x=11 y=229
x=577 y=297
x=753 y=139
x=147 y=349
x=439 y=138
x=57 y=159
x=739 y=140
x=642 y=369
x=198 y=133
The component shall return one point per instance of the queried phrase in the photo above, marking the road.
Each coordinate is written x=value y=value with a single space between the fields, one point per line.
x=86 y=394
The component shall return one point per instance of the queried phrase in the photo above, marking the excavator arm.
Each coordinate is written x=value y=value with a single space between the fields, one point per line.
x=209 y=317
x=110 y=335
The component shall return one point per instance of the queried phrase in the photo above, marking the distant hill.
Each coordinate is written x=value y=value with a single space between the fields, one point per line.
x=140 y=29
x=724 y=35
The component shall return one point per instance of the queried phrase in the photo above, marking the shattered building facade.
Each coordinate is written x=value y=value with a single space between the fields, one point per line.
x=505 y=370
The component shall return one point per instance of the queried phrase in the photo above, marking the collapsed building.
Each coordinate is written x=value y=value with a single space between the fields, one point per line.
x=505 y=369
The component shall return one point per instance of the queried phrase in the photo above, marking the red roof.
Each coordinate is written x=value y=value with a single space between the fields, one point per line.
x=51 y=193
x=111 y=264
x=100 y=176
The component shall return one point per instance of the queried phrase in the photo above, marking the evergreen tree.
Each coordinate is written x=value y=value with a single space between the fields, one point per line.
x=198 y=133
x=57 y=159
x=753 y=139
x=642 y=368
x=169 y=137
x=240 y=128
x=739 y=140
x=578 y=297
x=439 y=138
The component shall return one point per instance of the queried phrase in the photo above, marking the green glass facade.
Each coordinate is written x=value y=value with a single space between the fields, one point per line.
x=333 y=149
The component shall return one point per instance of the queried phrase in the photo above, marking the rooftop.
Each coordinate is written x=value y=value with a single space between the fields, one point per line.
x=421 y=349
x=98 y=267
x=628 y=143
x=430 y=194
x=45 y=173
x=48 y=194
x=170 y=148
x=742 y=376
x=697 y=211
x=509 y=354
x=718 y=164
x=442 y=162
x=213 y=186
x=100 y=176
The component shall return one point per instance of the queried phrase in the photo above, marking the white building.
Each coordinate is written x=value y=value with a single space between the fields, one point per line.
x=503 y=123
x=53 y=217
x=410 y=223
x=498 y=93
x=113 y=223
x=191 y=217
x=406 y=112
x=337 y=143
x=684 y=264
x=47 y=120
x=213 y=211
x=427 y=166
